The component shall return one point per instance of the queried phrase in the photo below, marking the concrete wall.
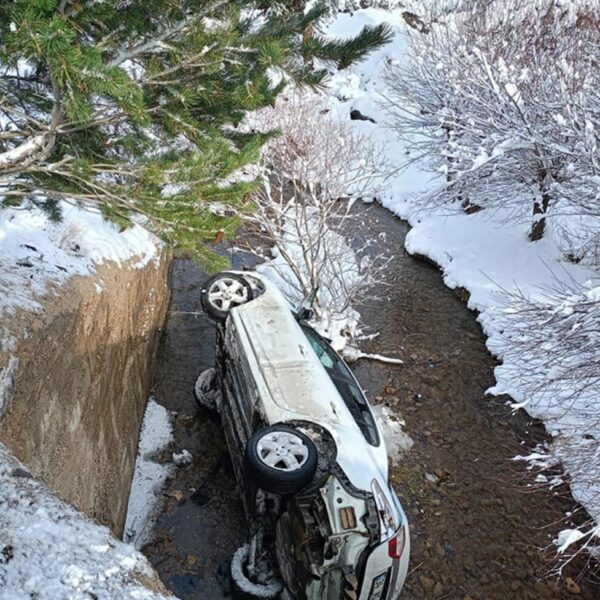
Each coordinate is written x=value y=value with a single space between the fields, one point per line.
x=83 y=376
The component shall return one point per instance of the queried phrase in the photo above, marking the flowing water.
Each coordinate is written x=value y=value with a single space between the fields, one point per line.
x=476 y=526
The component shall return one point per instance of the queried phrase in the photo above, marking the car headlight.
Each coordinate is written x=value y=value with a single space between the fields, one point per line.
x=387 y=519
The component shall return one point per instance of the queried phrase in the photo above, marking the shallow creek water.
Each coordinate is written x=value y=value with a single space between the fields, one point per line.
x=476 y=527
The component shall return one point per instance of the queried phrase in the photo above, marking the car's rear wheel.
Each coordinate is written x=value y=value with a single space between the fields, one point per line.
x=261 y=583
x=222 y=292
x=280 y=459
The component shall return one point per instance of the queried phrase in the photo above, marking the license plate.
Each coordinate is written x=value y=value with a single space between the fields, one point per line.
x=378 y=587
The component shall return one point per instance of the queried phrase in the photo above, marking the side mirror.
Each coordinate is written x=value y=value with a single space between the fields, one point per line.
x=305 y=314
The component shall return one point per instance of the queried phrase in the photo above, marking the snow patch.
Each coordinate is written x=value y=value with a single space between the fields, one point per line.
x=36 y=251
x=149 y=476
x=397 y=442
x=7 y=383
x=48 y=550
x=182 y=459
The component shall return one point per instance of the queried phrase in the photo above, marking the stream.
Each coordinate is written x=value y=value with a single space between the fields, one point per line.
x=478 y=530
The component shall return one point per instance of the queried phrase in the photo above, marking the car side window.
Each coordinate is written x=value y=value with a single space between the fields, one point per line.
x=329 y=359
x=343 y=380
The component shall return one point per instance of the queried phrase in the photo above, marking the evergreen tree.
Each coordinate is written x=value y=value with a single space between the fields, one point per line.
x=132 y=105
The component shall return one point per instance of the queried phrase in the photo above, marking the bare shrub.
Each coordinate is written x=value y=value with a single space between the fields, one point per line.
x=501 y=100
x=550 y=357
x=314 y=171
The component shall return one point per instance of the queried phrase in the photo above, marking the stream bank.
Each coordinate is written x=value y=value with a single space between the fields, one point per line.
x=83 y=366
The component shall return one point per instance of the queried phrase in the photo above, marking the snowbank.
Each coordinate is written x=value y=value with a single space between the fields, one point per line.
x=487 y=254
x=48 y=550
x=36 y=251
x=149 y=475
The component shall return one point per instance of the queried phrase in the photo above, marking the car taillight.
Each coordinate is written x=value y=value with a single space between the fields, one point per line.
x=396 y=545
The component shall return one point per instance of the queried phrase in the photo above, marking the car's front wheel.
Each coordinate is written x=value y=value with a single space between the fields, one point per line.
x=222 y=292
x=247 y=583
x=280 y=459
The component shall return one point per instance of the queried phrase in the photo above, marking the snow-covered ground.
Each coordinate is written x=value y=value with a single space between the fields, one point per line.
x=487 y=254
x=49 y=550
x=36 y=251
x=149 y=475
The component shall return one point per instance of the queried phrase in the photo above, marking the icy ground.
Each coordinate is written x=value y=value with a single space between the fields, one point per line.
x=149 y=475
x=484 y=253
x=48 y=550
x=397 y=441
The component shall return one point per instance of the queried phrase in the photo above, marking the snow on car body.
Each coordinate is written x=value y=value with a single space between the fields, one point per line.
x=342 y=525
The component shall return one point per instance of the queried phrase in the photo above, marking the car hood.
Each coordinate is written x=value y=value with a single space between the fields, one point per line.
x=298 y=387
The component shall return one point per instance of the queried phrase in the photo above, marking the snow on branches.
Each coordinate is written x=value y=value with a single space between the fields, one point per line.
x=551 y=365
x=502 y=99
x=314 y=171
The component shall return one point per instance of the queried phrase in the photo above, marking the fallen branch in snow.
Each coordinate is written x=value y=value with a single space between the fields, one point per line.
x=355 y=354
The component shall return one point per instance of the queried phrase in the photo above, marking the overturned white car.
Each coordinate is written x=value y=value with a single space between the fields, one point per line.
x=309 y=457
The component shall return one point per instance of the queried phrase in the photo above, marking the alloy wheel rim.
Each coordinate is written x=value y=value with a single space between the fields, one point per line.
x=226 y=293
x=284 y=451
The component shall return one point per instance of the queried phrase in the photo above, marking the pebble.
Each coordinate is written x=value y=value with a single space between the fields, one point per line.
x=177 y=495
x=572 y=587
x=431 y=478
x=426 y=583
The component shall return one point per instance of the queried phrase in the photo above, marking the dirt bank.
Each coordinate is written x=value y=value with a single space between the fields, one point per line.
x=84 y=371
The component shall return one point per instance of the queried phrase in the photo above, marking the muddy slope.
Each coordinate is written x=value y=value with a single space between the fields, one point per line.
x=476 y=531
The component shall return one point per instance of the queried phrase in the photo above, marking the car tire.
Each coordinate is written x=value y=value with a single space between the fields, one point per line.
x=242 y=587
x=280 y=459
x=222 y=292
x=206 y=390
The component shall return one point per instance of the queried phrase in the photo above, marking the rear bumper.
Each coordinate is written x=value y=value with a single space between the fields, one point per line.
x=383 y=576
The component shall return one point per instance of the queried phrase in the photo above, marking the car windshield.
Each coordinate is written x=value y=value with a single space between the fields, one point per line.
x=345 y=383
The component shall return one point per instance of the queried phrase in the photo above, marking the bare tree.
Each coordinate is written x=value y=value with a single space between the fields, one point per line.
x=314 y=171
